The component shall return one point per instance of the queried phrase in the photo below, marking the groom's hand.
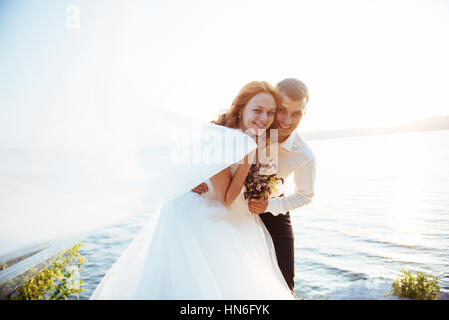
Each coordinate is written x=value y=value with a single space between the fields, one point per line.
x=200 y=189
x=258 y=206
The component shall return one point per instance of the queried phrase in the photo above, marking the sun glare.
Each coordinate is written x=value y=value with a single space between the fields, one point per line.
x=406 y=189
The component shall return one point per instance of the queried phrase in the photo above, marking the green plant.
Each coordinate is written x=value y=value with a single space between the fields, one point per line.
x=56 y=282
x=421 y=286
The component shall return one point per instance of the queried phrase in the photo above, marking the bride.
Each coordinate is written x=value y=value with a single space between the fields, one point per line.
x=206 y=246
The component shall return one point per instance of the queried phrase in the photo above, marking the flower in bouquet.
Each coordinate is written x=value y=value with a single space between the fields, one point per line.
x=261 y=181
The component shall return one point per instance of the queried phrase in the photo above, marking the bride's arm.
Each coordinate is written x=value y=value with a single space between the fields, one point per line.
x=228 y=188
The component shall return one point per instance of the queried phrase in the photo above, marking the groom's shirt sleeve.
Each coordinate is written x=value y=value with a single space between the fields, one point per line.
x=304 y=181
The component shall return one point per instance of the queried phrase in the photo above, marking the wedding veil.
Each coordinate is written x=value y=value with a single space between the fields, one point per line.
x=80 y=147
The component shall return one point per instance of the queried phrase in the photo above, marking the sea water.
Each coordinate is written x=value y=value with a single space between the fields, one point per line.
x=381 y=205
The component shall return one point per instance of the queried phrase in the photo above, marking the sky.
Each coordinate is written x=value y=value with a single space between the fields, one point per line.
x=85 y=75
x=366 y=63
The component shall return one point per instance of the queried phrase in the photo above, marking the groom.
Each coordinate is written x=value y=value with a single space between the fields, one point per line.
x=294 y=157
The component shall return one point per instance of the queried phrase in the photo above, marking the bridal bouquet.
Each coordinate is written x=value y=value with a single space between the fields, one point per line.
x=261 y=181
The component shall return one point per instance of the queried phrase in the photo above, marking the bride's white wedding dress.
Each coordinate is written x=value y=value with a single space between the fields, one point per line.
x=196 y=248
x=95 y=145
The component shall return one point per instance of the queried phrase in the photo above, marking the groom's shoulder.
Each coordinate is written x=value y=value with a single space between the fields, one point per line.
x=300 y=145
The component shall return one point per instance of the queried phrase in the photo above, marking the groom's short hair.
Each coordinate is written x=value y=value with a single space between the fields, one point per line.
x=294 y=89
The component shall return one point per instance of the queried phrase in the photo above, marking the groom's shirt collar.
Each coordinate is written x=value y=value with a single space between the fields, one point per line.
x=288 y=143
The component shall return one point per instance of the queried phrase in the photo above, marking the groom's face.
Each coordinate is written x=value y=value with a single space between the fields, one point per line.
x=288 y=116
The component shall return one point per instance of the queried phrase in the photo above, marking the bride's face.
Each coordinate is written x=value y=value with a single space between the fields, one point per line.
x=258 y=114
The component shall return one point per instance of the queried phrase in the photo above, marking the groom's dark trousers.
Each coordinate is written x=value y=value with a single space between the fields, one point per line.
x=280 y=229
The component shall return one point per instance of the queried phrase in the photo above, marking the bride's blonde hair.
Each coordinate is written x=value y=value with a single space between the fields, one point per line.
x=231 y=117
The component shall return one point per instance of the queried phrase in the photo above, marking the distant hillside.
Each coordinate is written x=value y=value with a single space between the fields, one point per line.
x=424 y=124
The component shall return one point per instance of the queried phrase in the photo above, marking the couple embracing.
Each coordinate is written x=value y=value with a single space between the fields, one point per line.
x=213 y=242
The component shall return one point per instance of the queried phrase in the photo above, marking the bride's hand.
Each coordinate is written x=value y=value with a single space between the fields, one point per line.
x=258 y=206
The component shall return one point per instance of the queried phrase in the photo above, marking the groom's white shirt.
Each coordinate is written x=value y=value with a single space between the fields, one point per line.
x=296 y=157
